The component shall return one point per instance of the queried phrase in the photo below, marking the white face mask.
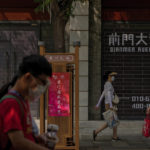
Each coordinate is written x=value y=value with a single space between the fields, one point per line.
x=113 y=78
x=34 y=94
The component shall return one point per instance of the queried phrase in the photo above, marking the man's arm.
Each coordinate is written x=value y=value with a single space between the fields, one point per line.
x=19 y=142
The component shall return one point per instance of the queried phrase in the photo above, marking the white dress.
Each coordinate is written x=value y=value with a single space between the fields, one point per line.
x=108 y=93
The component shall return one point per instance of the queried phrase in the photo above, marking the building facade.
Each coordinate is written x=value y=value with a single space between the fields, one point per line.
x=124 y=47
x=122 y=43
x=20 y=30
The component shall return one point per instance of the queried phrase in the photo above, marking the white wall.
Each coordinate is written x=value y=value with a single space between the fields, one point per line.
x=79 y=27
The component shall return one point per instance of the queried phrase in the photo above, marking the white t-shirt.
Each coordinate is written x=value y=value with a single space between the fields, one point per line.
x=108 y=93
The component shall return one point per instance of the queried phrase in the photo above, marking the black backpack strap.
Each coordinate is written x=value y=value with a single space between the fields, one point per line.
x=8 y=146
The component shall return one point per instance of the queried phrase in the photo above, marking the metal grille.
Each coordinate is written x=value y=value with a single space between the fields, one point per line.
x=14 y=45
x=132 y=64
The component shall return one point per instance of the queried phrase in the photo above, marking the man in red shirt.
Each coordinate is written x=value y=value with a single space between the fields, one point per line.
x=15 y=117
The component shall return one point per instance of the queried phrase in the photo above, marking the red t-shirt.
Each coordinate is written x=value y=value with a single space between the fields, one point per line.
x=12 y=118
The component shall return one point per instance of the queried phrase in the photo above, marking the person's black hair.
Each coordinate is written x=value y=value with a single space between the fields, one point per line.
x=106 y=74
x=35 y=64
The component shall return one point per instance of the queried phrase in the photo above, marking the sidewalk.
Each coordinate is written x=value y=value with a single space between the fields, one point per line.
x=130 y=133
x=130 y=142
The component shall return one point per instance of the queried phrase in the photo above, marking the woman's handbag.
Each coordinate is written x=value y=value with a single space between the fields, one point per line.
x=108 y=114
x=111 y=118
x=115 y=100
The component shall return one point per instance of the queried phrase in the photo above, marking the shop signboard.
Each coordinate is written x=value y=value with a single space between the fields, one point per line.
x=128 y=53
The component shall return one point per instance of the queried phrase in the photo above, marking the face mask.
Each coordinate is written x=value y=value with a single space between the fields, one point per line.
x=34 y=94
x=112 y=78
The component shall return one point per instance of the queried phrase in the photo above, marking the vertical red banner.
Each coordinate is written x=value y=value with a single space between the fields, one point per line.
x=59 y=96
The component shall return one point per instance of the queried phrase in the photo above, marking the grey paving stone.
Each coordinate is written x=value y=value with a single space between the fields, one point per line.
x=127 y=143
x=120 y=144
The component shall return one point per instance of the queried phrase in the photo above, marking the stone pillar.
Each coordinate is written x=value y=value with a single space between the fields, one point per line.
x=94 y=57
x=79 y=32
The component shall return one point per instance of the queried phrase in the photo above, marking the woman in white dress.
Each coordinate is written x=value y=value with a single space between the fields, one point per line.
x=108 y=94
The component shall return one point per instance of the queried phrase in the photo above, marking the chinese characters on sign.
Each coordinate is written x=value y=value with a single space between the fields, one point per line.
x=57 y=58
x=140 y=102
x=59 y=101
x=127 y=51
x=129 y=42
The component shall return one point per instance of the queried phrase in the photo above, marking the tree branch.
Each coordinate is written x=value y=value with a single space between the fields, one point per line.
x=68 y=3
x=55 y=5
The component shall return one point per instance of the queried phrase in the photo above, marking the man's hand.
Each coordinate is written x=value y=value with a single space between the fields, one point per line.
x=19 y=142
x=44 y=140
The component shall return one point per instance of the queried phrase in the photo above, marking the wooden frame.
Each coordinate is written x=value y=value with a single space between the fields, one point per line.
x=59 y=63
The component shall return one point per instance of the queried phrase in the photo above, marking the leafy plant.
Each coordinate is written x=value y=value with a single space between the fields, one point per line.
x=63 y=6
x=59 y=12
